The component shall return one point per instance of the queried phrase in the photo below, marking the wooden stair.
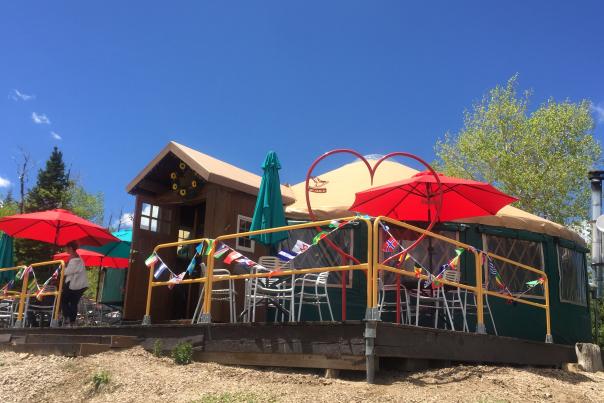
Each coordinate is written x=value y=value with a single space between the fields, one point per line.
x=70 y=345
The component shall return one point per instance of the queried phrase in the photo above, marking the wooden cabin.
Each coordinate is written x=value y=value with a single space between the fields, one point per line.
x=185 y=194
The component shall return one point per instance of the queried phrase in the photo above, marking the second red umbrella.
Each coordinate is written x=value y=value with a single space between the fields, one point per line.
x=415 y=199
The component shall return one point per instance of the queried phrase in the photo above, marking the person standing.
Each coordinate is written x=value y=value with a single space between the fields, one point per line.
x=75 y=283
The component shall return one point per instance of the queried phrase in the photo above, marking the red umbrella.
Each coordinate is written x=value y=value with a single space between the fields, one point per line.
x=416 y=199
x=91 y=258
x=58 y=227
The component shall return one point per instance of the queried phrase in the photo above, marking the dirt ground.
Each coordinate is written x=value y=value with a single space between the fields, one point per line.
x=137 y=376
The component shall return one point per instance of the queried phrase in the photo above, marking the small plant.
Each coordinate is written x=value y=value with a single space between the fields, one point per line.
x=158 y=347
x=100 y=378
x=182 y=353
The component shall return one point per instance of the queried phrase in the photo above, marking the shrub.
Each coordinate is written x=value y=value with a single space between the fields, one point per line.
x=100 y=378
x=182 y=353
x=158 y=347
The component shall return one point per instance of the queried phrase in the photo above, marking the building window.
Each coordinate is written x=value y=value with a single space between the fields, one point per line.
x=154 y=219
x=243 y=225
x=571 y=265
x=515 y=278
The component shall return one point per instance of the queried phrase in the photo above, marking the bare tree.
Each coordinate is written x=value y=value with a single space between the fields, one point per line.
x=23 y=168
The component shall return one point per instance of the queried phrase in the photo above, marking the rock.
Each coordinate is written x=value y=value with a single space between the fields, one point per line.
x=589 y=357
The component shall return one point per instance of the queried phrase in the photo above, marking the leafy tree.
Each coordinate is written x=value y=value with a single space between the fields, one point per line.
x=8 y=206
x=541 y=157
x=87 y=205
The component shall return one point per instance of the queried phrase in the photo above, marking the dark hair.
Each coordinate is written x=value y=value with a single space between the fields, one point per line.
x=73 y=245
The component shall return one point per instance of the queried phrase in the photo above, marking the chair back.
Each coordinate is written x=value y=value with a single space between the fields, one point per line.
x=452 y=275
x=272 y=263
x=322 y=278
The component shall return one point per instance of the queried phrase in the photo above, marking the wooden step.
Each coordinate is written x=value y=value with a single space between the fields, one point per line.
x=113 y=341
x=64 y=349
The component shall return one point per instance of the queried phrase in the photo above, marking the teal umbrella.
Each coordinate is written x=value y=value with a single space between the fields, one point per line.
x=119 y=249
x=6 y=257
x=269 y=205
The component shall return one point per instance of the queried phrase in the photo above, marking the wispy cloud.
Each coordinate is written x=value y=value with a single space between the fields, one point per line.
x=56 y=136
x=125 y=221
x=598 y=110
x=40 y=119
x=17 y=95
x=4 y=183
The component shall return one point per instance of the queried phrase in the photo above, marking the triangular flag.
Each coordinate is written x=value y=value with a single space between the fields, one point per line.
x=232 y=256
x=286 y=255
x=209 y=247
x=390 y=245
x=319 y=236
x=151 y=260
x=162 y=267
x=175 y=279
x=221 y=251
x=191 y=266
x=300 y=247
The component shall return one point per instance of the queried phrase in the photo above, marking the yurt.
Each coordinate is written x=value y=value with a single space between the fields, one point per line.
x=512 y=233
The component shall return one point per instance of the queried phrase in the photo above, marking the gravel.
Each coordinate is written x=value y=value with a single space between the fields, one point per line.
x=136 y=376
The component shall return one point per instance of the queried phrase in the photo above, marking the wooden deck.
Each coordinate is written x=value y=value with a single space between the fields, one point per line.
x=311 y=344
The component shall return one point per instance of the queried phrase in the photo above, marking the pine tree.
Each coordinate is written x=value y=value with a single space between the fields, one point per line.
x=51 y=189
x=50 y=192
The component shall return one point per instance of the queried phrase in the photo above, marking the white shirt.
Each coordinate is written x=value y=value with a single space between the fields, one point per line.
x=75 y=274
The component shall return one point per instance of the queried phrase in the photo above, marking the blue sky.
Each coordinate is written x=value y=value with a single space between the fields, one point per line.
x=117 y=80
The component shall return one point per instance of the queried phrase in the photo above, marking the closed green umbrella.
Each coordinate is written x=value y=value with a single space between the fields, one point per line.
x=6 y=257
x=269 y=205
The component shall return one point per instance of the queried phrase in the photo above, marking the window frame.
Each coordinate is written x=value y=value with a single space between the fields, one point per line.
x=485 y=247
x=583 y=268
x=162 y=223
x=238 y=246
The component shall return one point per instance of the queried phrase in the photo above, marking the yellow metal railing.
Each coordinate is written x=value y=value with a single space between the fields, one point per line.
x=24 y=294
x=371 y=268
x=210 y=278
x=478 y=288
x=153 y=284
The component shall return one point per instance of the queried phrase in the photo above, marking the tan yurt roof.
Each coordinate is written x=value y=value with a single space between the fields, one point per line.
x=342 y=183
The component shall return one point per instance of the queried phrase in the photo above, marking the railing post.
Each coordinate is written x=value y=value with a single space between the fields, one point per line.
x=54 y=322
x=478 y=294
x=147 y=317
x=206 y=315
x=19 y=321
x=548 y=325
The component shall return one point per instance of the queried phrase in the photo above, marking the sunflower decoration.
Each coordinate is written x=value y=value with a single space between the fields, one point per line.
x=184 y=181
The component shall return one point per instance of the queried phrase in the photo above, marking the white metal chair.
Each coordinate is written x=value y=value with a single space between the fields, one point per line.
x=390 y=306
x=318 y=283
x=471 y=308
x=227 y=294
x=274 y=291
x=430 y=299
x=452 y=297
x=8 y=311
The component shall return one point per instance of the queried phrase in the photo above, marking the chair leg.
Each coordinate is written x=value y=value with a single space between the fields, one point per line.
x=328 y=304
x=417 y=305
x=491 y=315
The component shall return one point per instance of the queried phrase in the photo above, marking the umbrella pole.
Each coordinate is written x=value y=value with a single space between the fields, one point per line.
x=398 y=298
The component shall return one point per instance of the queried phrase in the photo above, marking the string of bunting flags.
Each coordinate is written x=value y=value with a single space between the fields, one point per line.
x=228 y=255
x=391 y=245
x=33 y=286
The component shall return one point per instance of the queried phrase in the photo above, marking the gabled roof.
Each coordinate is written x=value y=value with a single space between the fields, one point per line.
x=211 y=170
x=345 y=181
